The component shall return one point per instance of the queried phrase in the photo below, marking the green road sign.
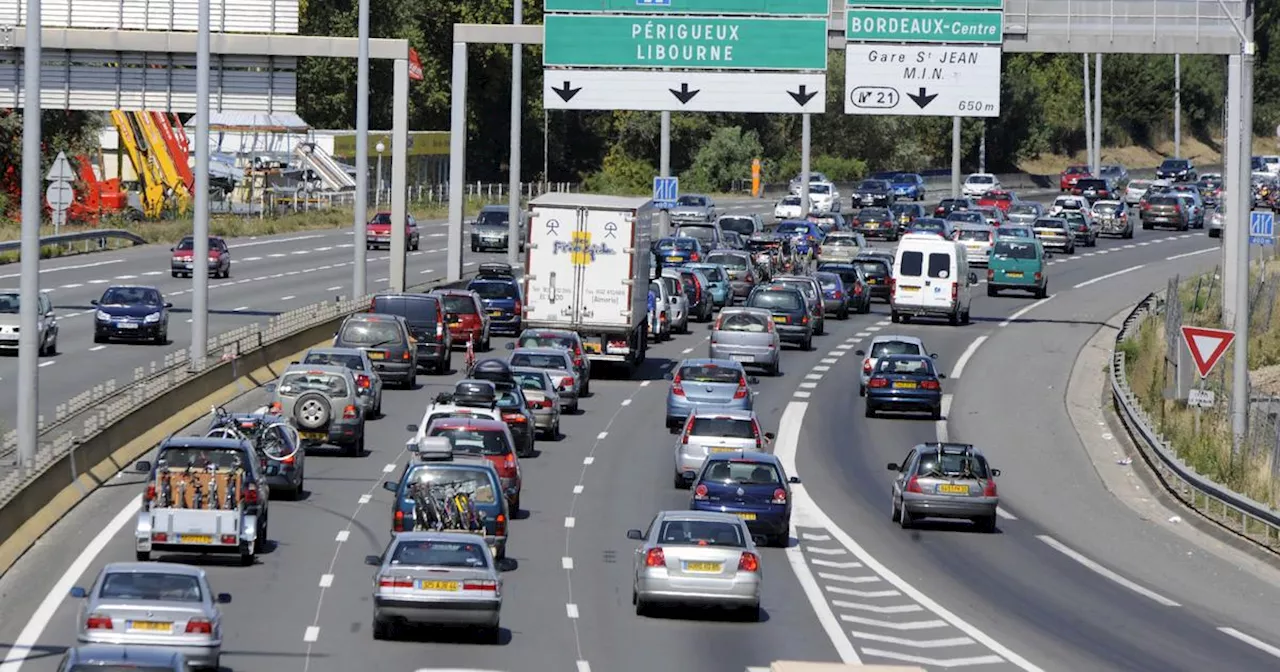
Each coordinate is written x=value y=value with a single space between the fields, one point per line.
x=780 y=7
x=919 y=4
x=610 y=40
x=889 y=25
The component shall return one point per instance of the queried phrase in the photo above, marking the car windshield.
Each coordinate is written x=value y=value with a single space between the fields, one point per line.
x=828 y=280
x=803 y=285
x=1009 y=250
x=424 y=553
x=792 y=227
x=474 y=481
x=790 y=200
x=1076 y=170
x=540 y=361
x=531 y=380
x=980 y=179
x=123 y=667
x=1051 y=223
x=709 y=373
x=1024 y=210
x=729 y=428
x=993 y=196
x=131 y=296
x=472 y=441
x=739 y=225
x=1067 y=203
x=460 y=305
x=965 y=216
x=9 y=302
x=373 y=334
x=547 y=341
x=1106 y=208
x=329 y=384
x=840 y=241
x=904 y=209
x=703 y=233
x=712 y=273
x=692 y=201
x=351 y=361
x=819 y=188
x=494 y=217
x=748 y=322
x=1014 y=232
x=742 y=472
x=906 y=366
x=381 y=219
x=1173 y=164
x=701 y=533
x=930 y=227
x=510 y=398
x=951 y=465
x=181 y=457
x=888 y=348
x=728 y=260
x=685 y=243
x=983 y=235
x=873 y=268
x=782 y=300
x=870 y=185
x=1140 y=185
x=869 y=214
x=493 y=290
x=151 y=586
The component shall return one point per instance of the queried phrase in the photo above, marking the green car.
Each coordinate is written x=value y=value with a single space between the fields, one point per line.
x=1017 y=264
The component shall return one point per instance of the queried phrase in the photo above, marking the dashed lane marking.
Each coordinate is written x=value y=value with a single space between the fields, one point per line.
x=877 y=609
x=365 y=499
x=577 y=489
x=566 y=563
x=326 y=580
x=1026 y=309
x=342 y=536
x=802 y=395
x=97 y=348
x=1108 y=276
x=968 y=353
x=312 y=633
x=813 y=376
x=44 y=364
x=568 y=521
x=1251 y=641
x=590 y=459
x=1104 y=572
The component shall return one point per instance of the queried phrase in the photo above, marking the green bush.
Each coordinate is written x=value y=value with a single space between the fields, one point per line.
x=621 y=174
x=837 y=168
x=725 y=157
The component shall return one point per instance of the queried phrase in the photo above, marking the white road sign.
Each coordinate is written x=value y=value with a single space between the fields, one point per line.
x=657 y=91
x=60 y=195
x=1200 y=398
x=61 y=170
x=922 y=81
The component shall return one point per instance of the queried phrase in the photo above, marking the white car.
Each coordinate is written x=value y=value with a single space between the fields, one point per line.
x=978 y=184
x=977 y=240
x=788 y=208
x=1062 y=203
x=824 y=198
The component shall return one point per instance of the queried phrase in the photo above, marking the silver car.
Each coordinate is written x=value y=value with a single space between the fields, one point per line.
x=436 y=578
x=741 y=269
x=154 y=604
x=46 y=321
x=841 y=246
x=1216 y=222
x=99 y=657
x=886 y=345
x=540 y=393
x=678 y=301
x=660 y=317
x=321 y=402
x=696 y=557
x=558 y=364
x=945 y=480
x=812 y=291
x=694 y=208
x=746 y=335
x=714 y=430
x=368 y=382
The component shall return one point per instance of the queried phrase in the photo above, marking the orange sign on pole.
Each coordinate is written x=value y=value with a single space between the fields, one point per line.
x=415 y=66
x=755 y=178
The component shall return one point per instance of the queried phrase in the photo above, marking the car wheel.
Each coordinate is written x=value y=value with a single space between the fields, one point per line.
x=382 y=629
x=992 y=291
x=896 y=514
x=247 y=553
x=843 y=314
x=355 y=449
x=986 y=524
x=775 y=369
x=161 y=338
x=808 y=344
x=1043 y=291
x=142 y=556
x=678 y=482
x=870 y=411
x=955 y=319
x=964 y=317
x=894 y=317
x=573 y=408
x=175 y=274
x=98 y=338
x=750 y=614
x=905 y=520
x=936 y=413
x=862 y=390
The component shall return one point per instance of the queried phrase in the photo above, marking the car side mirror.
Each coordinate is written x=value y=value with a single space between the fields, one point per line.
x=372 y=560
x=93 y=302
x=794 y=480
x=941 y=376
x=769 y=436
x=860 y=353
x=142 y=467
x=893 y=466
x=173 y=249
x=224 y=598
x=668 y=376
x=412 y=428
x=79 y=593
x=635 y=534
x=995 y=472
x=753 y=380
x=390 y=486
x=511 y=346
x=711 y=327
x=168 y=305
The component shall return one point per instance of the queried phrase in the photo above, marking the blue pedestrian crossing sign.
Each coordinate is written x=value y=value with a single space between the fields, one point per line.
x=1262 y=228
x=665 y=191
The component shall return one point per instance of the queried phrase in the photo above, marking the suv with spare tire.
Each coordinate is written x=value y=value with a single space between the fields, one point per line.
x=322 y=402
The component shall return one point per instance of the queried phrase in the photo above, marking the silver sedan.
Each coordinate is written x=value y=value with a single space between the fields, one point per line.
x=154 y=604
x=699 y=558
x=540 y=391
x=746 y=335
x=558 y=363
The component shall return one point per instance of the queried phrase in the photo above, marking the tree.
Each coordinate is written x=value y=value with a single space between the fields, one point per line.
x=724 y=159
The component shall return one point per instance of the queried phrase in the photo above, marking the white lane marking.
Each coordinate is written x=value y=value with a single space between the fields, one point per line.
x=802 y=395
x=275 y=256
x=272 y=241
x=923 y=643
x=252 y=259
x=98 y=282
x=381 y=280
x=935 y=662
x=808 y=386
x=829 y=360
x=149 y=273
x=298 y=252
x=836 y=353
x=322 y=249
x=894 y=625
x=97 y=348
x=601 y=436
x=626 y=402
x=849 y=579
x=566 y=563
x=71 y=286
x=1104 y=572
x=1027 y=309
x=813 y=376
x=342 y=536
x=312 y=633
x=940 y=426
x=333 y=288
x=365 y=499
x=1108 y=276
x=389 y=468
x=1251 y=641
x=568 y=521
x=883 y=323
x=645 y=383
x=874 y=328
x=785 y=447
x=863 y=334
x=126 y=277
x=877 y=609
x=853 y=592
x=1191 y=254
x=686 y=351
x=57 y=595
x=964 y=356
x=819 y=562
x=240 y=309
x=583 y=666
x=44 y=364
x=1005 y=514
x=571 y=610
x=577 y=489
x=326 y=580
x=845 y=346
x=590 y=459
x=821 y=368
x=825 y=551
x=68 y=268
x=809 y=536
x=290 y=298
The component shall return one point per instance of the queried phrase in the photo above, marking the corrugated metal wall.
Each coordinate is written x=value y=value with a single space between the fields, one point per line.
x=231 y=16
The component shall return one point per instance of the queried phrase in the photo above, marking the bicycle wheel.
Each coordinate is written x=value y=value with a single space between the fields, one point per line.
x=291 y=432
x=225 y=432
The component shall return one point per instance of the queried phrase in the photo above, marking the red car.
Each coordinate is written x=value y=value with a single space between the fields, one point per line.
x=182 y=262
x=489 y=439
x=378 y=232
x=1068 y=178
x=465 y=315
x=997 y=198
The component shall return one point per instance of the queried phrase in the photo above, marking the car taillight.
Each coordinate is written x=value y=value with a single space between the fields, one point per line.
x=290 y=460
x=228 y=539
x=992 y=274
x=693 y=257
x=878 y=382
x=913 y=485
x=930 y=385
x=362 y=381
x=509 y=463
x=97 y=622
x=406 y=355
x=804 y=320
x=741 y=392
x=151 y=492
x=349 y=413
x=394 y=582
x=160 y=537
x=838 y=294
x=483 y=585
x=893 y=287
x=577 y=356
x=655 y=558
x=567 y=383
x=399 y=520
x=866 y=365
x=439 y=328
x=749 y=562
x=514 y=417
x=749 y=278
x=1038 y=276
x=275 y=408
x=676 y=388
x=955 y=290
x=251 y=494
x=990 y=489
x=500 y=525
x=779 y=497
x=700 y=492
x=688 y=429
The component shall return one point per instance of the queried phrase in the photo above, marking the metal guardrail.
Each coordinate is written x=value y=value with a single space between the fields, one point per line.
x=100 y=236
x=1242 y=515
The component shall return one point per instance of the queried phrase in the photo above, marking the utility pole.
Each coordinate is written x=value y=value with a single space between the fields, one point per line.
x=1097 y=115
x=361 y=239
x=805 y=137
x=200 y=218
x=29 y=260
x=664 y=169
x=982 y=149
x=955 y=157
x=1244 y=197
x=1088 y=116
x=1236 y=184
x=517 y=108
x=1177 y=106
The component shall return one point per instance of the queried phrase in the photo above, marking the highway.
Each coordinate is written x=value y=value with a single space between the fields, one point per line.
x=1073 y=580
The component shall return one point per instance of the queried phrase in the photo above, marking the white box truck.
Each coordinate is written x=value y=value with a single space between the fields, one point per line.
x=587 y=269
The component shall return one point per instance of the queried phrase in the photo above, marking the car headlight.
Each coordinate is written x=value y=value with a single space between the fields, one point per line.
x=153 y=317
x=102 y=315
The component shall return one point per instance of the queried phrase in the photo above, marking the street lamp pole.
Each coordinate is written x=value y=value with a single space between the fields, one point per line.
x=377 y=193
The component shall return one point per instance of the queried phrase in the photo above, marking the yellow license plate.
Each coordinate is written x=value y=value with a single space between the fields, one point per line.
x=703 y=566
x=954 y=489
x=722 y=449
x=779 y=318
x=1014 y=274
x=747 y=516
x=872 y=281
x=313 y=436
x=377 y=355
x=448 y=586
x=195 y=539
x=495 y=313
x=675 y=258
x=151 y=626
x=908 y=288
x=904 y=385
x=872 y=225
x=591 y=347
x=455 y=324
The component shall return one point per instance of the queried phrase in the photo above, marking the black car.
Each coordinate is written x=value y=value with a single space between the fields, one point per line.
x=876 y=223
x=790 y=313
x=510 y=402
x=877 y=271
x=941 y=227
x=906 y=213
x=1178 y=170
x=949 y=205
x=426 y=324
x=870 y=193
x=1096 y=189
x=131 y=313
x=500 y=293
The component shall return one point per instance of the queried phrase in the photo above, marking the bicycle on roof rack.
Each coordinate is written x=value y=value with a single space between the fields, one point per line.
x=445 y=506
x=259 y=431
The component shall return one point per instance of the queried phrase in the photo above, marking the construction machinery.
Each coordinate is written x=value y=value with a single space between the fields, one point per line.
x=151 y=193
x=97 y=198
x=178 y=189
x=175 y=140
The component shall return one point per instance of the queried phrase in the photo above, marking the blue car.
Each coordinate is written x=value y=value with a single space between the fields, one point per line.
x=500 y=295
x=908 y=185
x=751 y=485
x=805 y=236
x=719 y=383
x=677 y=251
x=718 y=282
x=905 y=384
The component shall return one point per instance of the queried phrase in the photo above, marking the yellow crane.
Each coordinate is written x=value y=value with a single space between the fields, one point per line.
x=152 y=195
x=168 y=171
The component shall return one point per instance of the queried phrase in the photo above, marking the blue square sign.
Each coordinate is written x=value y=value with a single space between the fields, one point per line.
x=665 y=191
x=1262 y=228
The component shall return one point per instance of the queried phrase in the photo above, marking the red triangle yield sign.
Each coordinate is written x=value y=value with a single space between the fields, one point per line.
x=1207 y=346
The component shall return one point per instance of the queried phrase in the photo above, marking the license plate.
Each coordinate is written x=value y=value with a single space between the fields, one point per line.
x=954 y=489
x=722 y=449
x=449 y=586
x=150 y=626
x=908 y=288
x=747 y=516
x=195 y=539
x=377 y=355
x=904 y=385
x=705 y=567
x=872 y=225
x=872 y=281
x=779 y=318
x=495 y=313
x=742 y=358
x=455 y=324
x=126 y=325
x=591 y=347
x=313 y=436
x=1014 y=274
x=675 y=259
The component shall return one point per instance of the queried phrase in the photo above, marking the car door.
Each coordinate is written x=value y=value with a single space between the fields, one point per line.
x=940 y=270
x=48 y=321
x=900 y=478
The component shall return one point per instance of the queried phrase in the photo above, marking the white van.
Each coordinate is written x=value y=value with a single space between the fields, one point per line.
x=931 y=277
